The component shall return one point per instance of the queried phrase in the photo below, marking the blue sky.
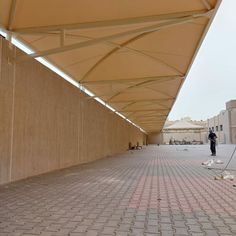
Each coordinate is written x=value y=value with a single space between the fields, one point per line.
x=211 y=81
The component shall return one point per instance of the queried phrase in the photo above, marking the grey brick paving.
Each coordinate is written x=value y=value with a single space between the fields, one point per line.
x=159 y=190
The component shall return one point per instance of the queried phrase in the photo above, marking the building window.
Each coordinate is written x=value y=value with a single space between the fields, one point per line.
x=221 y=127
x=216 y=128
x=212 y=128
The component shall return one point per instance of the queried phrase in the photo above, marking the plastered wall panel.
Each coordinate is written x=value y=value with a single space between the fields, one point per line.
x=45 y=121
x=34 y=141
x=6 y=103
x=5 y=134
x=48 y=124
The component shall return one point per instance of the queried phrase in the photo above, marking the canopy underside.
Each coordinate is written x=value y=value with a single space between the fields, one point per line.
x=132 y=54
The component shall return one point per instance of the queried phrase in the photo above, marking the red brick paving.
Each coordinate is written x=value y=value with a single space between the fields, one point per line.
x=160 y=190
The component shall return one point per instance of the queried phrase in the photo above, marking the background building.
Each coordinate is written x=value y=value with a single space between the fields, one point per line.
x=224 y=124
x=184 y=131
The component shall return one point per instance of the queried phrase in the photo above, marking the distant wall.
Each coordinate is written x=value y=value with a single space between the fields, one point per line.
x=47 y=124
x=220 y=125
x=231 y=108
x=155 y=138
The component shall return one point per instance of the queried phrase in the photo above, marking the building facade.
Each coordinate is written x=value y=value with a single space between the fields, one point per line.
x=224 y=124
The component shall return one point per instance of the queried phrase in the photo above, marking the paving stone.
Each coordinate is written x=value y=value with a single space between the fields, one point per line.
x=108 y=230
x=232 y=227
x=180 y=223
x=181 y=231
x=46 y=233
x=224 y=230
x=91 y=233
x=135 y=231
x=152 y=222
x=152 y=216
x=198 y=234
x=120 y=233
x=195 y=228
x=149 y=234
x=124 y=227
x=165 y=220
x=77 y=234
x=191 y=221
x=212 y=233
x=126 y=220
x=167 y=233
x=166 y=226
x=80 y=229
x=112 y=223
x=97 y=226
x=139 y=224
x=151 y=229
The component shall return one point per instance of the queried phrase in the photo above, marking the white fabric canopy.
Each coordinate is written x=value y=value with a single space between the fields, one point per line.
x=183 y=124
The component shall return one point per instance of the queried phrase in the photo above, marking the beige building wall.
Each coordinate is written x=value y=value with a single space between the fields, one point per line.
x=220 y=125
x=47 y=124
x=155 y=138
x=231 y=108
x=224 y=124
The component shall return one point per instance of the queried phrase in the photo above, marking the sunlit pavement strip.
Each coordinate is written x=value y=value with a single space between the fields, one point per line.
x=160 y=190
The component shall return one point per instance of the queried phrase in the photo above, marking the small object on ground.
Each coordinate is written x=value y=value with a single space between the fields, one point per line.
x=227 y=175
x=208 y=163
x=219 y=162
x=217 y=178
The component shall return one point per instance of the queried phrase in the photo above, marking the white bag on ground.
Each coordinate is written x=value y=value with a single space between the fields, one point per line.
x=208 y=163
x=227 y=175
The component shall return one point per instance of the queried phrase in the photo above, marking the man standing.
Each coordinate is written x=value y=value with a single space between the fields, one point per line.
x=212 y=137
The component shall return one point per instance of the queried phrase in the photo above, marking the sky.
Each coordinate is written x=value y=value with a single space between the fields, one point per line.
x=211 y=81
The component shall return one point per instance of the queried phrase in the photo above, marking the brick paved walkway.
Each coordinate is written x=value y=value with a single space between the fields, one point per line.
x=155 y=191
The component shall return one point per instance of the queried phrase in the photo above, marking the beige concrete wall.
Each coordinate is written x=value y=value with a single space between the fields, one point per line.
x=227 y=119
x=233 y=125
x=6 y=102
x=46 y=124
x=155 y=138
x=231 y=107
x=223 y=118
x=230 y=104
